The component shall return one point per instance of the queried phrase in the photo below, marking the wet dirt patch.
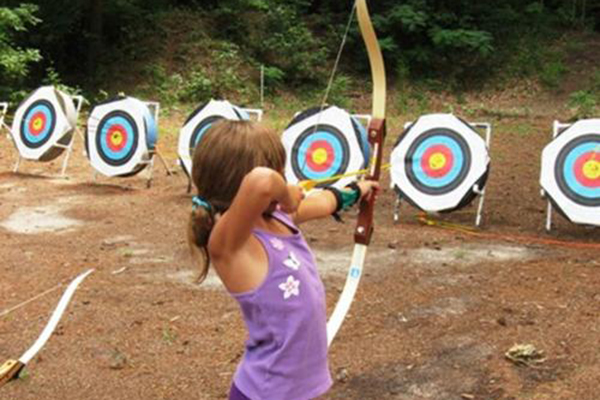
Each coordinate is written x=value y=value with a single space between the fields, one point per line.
x=42 y=219
x=471 y=254
x=453 y=371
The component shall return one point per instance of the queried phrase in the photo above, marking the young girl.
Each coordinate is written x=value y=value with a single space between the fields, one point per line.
x=243 y=222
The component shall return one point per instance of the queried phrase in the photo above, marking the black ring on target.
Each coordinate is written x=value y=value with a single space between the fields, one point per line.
x=569 y=170
x=117 y=138
x=328 y=150
x=38 y=124
x=200 y=130
x=455 y=159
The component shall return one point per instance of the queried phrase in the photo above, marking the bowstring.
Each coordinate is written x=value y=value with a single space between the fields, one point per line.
x=331 y=78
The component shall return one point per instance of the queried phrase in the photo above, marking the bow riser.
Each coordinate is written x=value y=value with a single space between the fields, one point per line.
x=364 y=226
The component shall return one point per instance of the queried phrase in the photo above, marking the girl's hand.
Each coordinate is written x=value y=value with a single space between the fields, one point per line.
x=368 y=187
x=295 y=195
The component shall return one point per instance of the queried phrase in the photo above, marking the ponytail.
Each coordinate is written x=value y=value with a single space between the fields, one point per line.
x=201 y=223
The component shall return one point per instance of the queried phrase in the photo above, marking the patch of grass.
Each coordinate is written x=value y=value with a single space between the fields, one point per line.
x=168 y=336
x=460 y=254
x=522 y=130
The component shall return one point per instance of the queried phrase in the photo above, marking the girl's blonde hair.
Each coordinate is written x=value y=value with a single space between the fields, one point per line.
x=226 y=153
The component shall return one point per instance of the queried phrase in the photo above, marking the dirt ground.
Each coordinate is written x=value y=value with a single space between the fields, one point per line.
x=434 y=315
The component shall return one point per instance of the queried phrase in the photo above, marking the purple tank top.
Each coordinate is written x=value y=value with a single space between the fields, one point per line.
x=286 y=351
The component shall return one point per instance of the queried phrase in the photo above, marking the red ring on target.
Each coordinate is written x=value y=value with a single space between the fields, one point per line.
x=320 y=149
x=116 y=138
x=580 y=169
x=37 y=123
x=437 y=161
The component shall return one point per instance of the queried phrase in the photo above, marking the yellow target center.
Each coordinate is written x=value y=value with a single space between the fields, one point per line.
x=591 y=169
x=437 y=161
x=37 y=124
x=319 y=156
x=117 y=138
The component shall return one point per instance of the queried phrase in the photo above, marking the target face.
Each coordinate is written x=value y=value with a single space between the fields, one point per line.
x=46 y=118
x=320 y=153
x=578 y=170
x=38 y=124
x=121 y=136
x=117 y=138
x=323 y=144
x=438 y=161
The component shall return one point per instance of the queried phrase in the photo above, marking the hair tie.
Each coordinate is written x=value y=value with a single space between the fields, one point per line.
x=198 y=201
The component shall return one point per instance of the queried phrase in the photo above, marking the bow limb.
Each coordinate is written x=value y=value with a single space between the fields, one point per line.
x=376 y=133
x=11 y=368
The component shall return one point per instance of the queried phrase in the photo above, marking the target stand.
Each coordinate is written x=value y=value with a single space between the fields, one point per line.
x=44 y=126
x=121 y=138
x=323 y=143
x=440 y=164
x=198 y=123
x=3 y=109
x=570 y=176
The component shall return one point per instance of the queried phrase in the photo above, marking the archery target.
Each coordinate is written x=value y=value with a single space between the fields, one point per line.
x=571 y=172
x=324 y=144
x=437 y=161
x=198 y=124
x=43 y=123
x=121 y=136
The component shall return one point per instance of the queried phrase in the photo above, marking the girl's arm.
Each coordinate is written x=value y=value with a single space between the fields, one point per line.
x=259 y=189
x=324 y=203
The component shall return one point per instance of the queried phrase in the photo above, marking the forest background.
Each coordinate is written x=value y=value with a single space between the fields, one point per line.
x=179 y=51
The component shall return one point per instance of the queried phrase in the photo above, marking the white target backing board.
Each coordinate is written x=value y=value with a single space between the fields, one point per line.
x=121 y=137
x=44 y=124
x=200 y=121
x=440 y=163
x=570 y=175
x=324 y=144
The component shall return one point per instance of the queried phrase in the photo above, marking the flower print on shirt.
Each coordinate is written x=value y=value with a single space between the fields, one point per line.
x=277 y=244
x=291 y=287
x=292 y=262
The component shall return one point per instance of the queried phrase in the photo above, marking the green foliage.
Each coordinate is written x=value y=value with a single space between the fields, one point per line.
x=53 y=78
x=274 y=78
x=15 y=60
x=213 y=46
x=583 y=103
x=339 y=91
x=552 y=73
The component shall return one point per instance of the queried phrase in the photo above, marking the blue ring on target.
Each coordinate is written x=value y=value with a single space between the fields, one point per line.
x=565 y=169
x=47 y=109
x=121 y=157
x=331 y=136
x=451 y=175
x=461 y=154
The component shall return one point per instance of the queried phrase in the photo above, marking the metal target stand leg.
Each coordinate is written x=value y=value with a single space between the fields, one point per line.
x=155 y=152
x=3 y=109
x=397 y=209
x=481 y=192
x=79 y=102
